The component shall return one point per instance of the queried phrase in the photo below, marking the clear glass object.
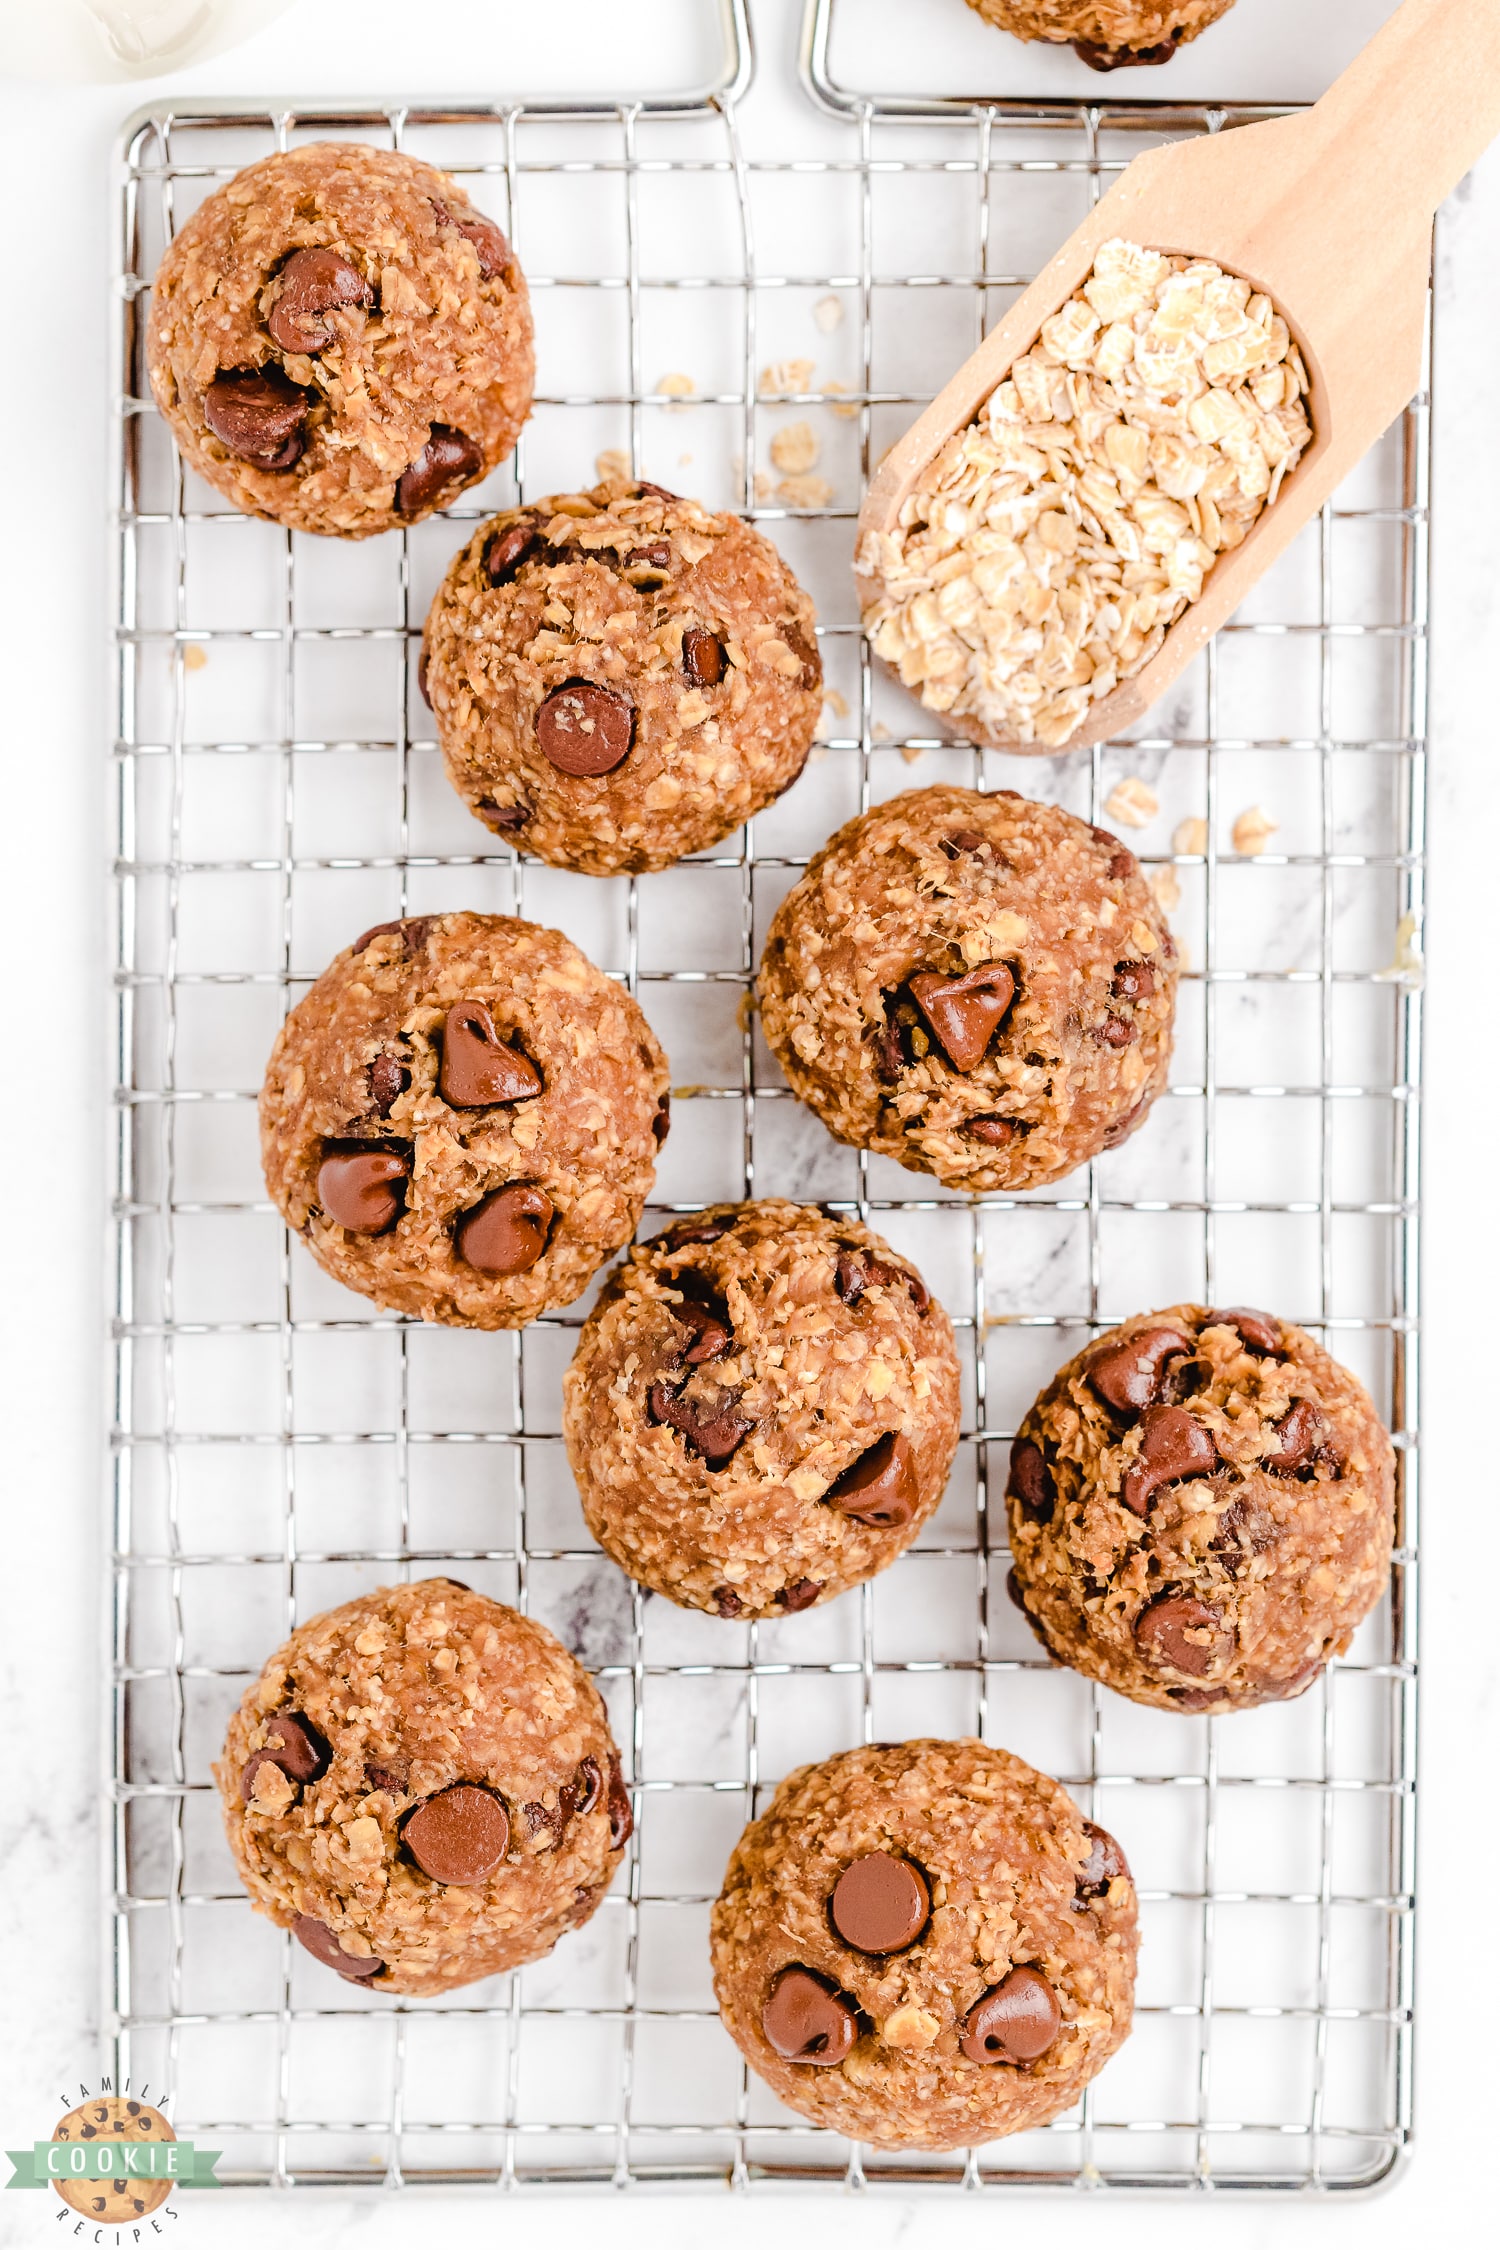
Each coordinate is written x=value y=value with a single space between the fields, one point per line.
x=92 y=41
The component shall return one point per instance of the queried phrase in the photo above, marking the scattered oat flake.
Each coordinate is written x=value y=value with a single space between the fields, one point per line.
x=1253 y=831
x=795 y=449
x=846 y=408
x=1408 y=967
x=910 y=753
x=1132 y=802
x=744 y=1008
x=880 y=732
x=612 y=466
x=684 y=460
x=836 y=703
x=194 y=657
x=785 y=377
x=765 y=484
x=828 y=313
x=1165 y=889
x=804 y=492
x=676 y=386
x=1190 y=838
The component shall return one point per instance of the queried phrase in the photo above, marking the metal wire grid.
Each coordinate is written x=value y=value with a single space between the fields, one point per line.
x=279 y=1446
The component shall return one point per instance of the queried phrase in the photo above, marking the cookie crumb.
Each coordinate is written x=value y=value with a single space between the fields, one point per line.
x=1132 y=802
x=1253 y=831
x=828 y=314
x=795 y=449
x=612 y=466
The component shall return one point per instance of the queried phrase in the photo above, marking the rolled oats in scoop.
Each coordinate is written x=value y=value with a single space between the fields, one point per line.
x=1048 y=548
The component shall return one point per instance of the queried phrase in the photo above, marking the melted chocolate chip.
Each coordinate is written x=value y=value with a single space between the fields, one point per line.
x=507 y=1232
x=1175 y=1446
x=992 y=1130
x=1261 y=1332
x=381 y=1778
x=491 y=246
x=707 y=1322
x=1099 y=56
x=1104 y=1864
x=727 y=1602
x=962 y=840
x=480 y=1069
x=1133 y=980
x=388 y=1082
x=964 y=1012
x=1302 y=1432
x=505 y=553
x=584 y=729
x=890 y=1059
x=1129 y=1372
x=661 y=1123
x=880 y=1489
x=621 y=1817
x=506 y=820
x=709 y=1426
x=807 y=654
x=801 y=1594
x=859 y=1270
x=294 y=1745
x=448 y=461
x=359 y=1968
x=682 y=1233
x=314 y=284
x=258 y=416
x=656 y=556
x=880 y=1904
x=806 y=2020
x=1115 y=1031
x=1180 y=1631
x=702 y=657
x=364 y=1189
x=1123 y=865
x=412 y=929
x=460 y=1835
x=1031 y=1480
x=588 y=1787
x=1015 y=2021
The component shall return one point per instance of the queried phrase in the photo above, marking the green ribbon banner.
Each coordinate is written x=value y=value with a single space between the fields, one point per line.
x=49 y=2162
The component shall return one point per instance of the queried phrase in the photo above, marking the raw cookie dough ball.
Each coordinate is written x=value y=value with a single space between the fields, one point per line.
x=422 y=1787
x=978 y=986
x=1201 y=1510
x=620 y=676
x=925 y=1945
x=762 y=1410
x=461 y=1118
x=1108 y=33
x=340 y=341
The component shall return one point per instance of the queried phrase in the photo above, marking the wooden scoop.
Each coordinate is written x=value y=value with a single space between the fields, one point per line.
x=1328 y=212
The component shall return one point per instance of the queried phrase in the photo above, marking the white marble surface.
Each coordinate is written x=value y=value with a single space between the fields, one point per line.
x=55 y=150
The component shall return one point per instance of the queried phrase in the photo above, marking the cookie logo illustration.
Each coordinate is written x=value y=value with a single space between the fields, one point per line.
x=114 y=2159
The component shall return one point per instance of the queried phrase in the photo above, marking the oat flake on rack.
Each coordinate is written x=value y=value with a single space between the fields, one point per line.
x=1048 y=548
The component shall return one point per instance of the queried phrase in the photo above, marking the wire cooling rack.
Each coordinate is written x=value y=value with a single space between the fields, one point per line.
x=280 y=1445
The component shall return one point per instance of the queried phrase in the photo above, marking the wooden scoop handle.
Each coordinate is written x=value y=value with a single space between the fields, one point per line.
x=1415 y=109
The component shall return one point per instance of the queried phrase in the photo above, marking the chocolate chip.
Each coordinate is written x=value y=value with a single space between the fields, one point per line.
x=1122 y=866
x=880 y=1904
x=801 y=1594
x=1180 y=1631
x=1115 y=1031
x=314 y=283
x=1104 y=1864
x=1195 y=1699
x=661 y=1123
x=1174 y=1447
x=1133 y=980
x=962 y=840
x=859 y=1270
x=1129 y=1373
x=506 y=820
x=302 y=1753
x=702 y=657
x=490 y=242
x=1014 y=2022
x=1031 y=1480
x=621 y=1817
x=806 y=651
x=412 y=930
x=1101 y=57
x=727 y=1602
x=1124 y=1126
x=321 y=1943
x=555 y=1818
x=388 y=1082
x=1302 y=1433
x=654 y=491
x=363 y=1189
x=890 y=1061
x=448 y=461
x=964 y=1012
x=991 y=1129
x=807 y=2021
x=1013 y=1592
x=709 y=1426
x=258 y=416
x=507 y=1232
x=588 y=1786
x=880 y=1489
x=505 y=553
x=585 y=729
x=381 y=1778
x=657 y=556
x=480 y=1069
x=460 y=1835
x=1260 y=1331
x=684 y=1232
x=707 y=1322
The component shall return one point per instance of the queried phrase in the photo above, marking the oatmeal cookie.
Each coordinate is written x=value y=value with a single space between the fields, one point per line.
x=979 y=986
x=461 y=1118
x=340 y=341
x=925 y=1945
x=762 y=1410
x=1108 y=33
x=620 y=676
x=422 y=1787
x=1201 y=1510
